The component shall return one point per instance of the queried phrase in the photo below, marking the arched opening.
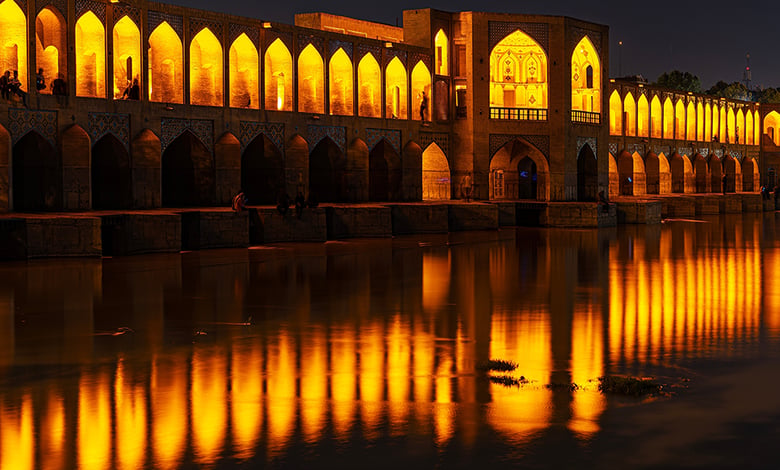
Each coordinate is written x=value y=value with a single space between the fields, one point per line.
x=127 y=55
x=679 y=119
x=707 y=123
x=262 y=171
x=631 y=171
x=421 y=86
x=750 y=177
x=518 y=73
x=757 y=129
x=369 y=87
x=244 y=77
x=587 y=175
x=716 y=173
x=723 y=134
x=166 y=70
x=519 y=170
x=690 y=122
x=699 y=121
x=700 y=173
x=772 y=127
x=668 y=119
x=384 y=173
x=311 y=82
x=340 y=84
x=585 y=77
x=206 y=75
x=680 y=167
x=615 y=114
x=278 y=77
x=188 y=176
x=111 y=182
x=656 y=118
x=37 y=175
x=51 y=45
x=326 y=172
x=643 y=117
x=739 y=131
x=653 y=169
x=395 y=90
x=13 y=53
x=436 y=179
x=749 y=140
x=733 y=172
x=90 y=56
x=629 y=110
x=441 y=45
x=614 y=180
x=731 y=126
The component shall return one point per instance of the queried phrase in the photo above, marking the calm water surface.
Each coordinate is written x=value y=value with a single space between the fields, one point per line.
x=365 y=354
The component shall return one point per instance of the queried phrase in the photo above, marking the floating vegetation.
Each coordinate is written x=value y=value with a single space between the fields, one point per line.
x=508 y=380
x=567 y=386
x=498 y=365
x=628 y=386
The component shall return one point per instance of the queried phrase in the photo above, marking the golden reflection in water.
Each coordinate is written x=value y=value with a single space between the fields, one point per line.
x=522 y=335
x=435 y=280
x=422 y=362
x=130 y=412
x=17 y=441
x=94 y=425
x=443 y=410
x=398 y=360
x=246 y=396
x=52 y=432
x=314 y=385
x=281 y=372
x=169 y=410
x=209 y=402
x=343 y=367
x=372 y=373
x=587 y=365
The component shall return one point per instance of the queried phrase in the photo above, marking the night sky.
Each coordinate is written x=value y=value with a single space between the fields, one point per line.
x=708 y=39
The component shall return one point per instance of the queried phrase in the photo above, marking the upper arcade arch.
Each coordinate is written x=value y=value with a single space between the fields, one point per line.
x=643 y=116
x=585 y=77
x=679 y=119
x=206 y=74
x=656 y=118
x=396 y=90
x=127 y=55
x=772 y=127
x=690 y=125
x=340 y=80
x=421 y=85
x=518 y=73
x=90 y=56
x=243 y=72
x=441 y=45
x=731 y=126
x=278 y=77
x=166 y=65
x=51 y=51
x=715 y=123
x=707 y=122
x=615 y=114
x=756 y=128
x=13 y=53
x=369 y=87
x=749 y=140
x=629 y=110
x=668 y=116
x=699 y=121
x=311 y=81
x=740 y=127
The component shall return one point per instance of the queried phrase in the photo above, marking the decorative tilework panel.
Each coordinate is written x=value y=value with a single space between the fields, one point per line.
x=251 y=129
x=101 y=124
x=21 y=121
x=593 y=143
x=237 y=29
x=392 y=136
x=703 y=152
x=120 y=11
x=316 y=41
x=576 y=35
x=498 y=30
x=154 y=18
x=541 y=142
x=415 y=57
x=171 y=128
x=271 y=36
x=61 y=5
x=390 y=54
x=333 y=46
x=198 y=24
x=613 y=148
x=363 y=49
x=685 y=151
x=737 y=155
x=661 y=149
x=439 y=138
x=337 y=134
x=98 y=8
x=718 y=153
x=633 y=148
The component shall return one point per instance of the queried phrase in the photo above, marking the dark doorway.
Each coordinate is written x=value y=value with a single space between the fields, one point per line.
x=587 y=175
x=653 y=171
x=526 y=179
x=677 y=168
x=111 y=182
x=716 y=174
x=700 y=171
x=384 y=173
x=37 y=175
x=188 y=177
x=262 y=171
x=326 y=172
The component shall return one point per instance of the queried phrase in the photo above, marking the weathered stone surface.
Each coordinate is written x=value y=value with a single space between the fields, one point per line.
x=359 y=221
x=752 y=202
x=216 y=228
x=416 y=218
x=63 y=236
x=639 y=212
x=473 y=216
x=571 y=214
x=136 y=233
x=269 y=226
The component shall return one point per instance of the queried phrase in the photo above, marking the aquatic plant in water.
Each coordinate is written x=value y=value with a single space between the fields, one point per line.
x=628 y=386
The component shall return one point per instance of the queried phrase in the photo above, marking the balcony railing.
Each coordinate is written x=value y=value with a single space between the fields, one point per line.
x=585 y=117
x=519 y=114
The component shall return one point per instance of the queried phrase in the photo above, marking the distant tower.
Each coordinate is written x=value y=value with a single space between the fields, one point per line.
x=747 y=76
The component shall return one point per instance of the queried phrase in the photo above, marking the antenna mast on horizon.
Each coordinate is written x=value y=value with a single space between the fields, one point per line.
x=747 y=75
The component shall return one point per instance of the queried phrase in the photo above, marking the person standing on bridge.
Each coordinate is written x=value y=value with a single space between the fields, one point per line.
x=423 y=105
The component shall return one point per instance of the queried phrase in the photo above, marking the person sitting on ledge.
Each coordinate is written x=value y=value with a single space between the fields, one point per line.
x=239 y=201
x=4 y=79
x=15 y=87
x=58 y=86
x=133 y=91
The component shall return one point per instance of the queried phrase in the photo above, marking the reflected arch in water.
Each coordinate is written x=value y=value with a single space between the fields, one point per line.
x=188 y=174
x=505 y=174
x=111 y=185
x=436 y=177
x=262 y=171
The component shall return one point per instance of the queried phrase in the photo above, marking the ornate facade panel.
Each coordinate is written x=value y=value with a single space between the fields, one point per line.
x=271 y=36
x=22 y=121
x=101 y=124
x=171 y=128
x=392 y=136
x=662 y=149
x=685 y=151
x=703 y=151
x=415 y=57
x=593 y=143
x=337 y=134
x=154 y=18
x=237 y=29
x=198 y=24
x=316 y=41
x=613 y=148
x=120 y=11
x=576 y=35
x=333 y=46
x=439 y=138
x=498 y=30
x=390 y=54
x=718 y=153
x=541 y=142
x=61 y=5
x=83 y=6
x=363 y=49
x=251 y=129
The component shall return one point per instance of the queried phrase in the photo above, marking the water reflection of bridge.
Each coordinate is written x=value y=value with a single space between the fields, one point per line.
x=380 y=339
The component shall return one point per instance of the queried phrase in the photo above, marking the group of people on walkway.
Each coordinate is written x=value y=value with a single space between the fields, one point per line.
x=11 y=85
x=283 y=202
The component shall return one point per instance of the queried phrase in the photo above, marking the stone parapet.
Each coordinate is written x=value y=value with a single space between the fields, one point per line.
x=56 y=236
x=639 y=212
x=217 y=228
x=752 y=202
x=361 y=221
x=141 y=232
x=571 y=214
x=267 y=225
x=472 y=216
x=417 y=218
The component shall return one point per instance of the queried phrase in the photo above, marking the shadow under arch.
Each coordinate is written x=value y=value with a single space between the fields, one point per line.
x=749 y=175
x=733 y=171
x=519 y=170
x=587 y=174
x=326 y=171
x=384 y=173
x=614 y=179
x=436 y=176
x=188 y=175
x=700 y=173
x=680 y=167
x=37 y=175
x=631 y=171
x=262 y=171
x=716 y=173
x=111 y=182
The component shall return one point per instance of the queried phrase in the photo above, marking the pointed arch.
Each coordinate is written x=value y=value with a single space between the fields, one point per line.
x=441 y=46
x=369 y=87
x=629 y=111
x=724 y=133
x=699 y=121
x=326 y=171
x=518 y=73
x=772 y=127
x=631 y=171
x=340 y=78
x=749 y=132
x=733 y=172
x=36 y=174
x=518 y=169
x=716 y=135
x=585 y=77
x=614 y=180
x=715 y=170
x=587 y=174
x=311 y=81
x=436 y=179
x=750 y=174
x=615 y=114
x=206 y=74
x=756 y=128
x=396 y=90
x=51 y=51
x=643 y=117
x=739 y=131
x=13 y=53
x=90 y=56
x=384 y=173
x=668 y=119
x=679 y=119
x=690 y=122
x=421 y=86
x=707 y=123
x=243 y=71
x=700 y=173
x=731 y=125
x=188 y=173
x=111 y=185
x=127 y=55
x=166 y=65
x=656 y=118
x=278 y=77
x=262 y=171
x=658 y=178
x=681 y=171
x=146 y=164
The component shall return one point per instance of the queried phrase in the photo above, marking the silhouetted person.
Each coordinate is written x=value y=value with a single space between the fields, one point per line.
x=282 y=202
x=239 y=201
x=423 y=106
x=58 y=86
x=133 y=91
x=40 y=81
x=300 y=203
x=15 y=87
x=4 y=84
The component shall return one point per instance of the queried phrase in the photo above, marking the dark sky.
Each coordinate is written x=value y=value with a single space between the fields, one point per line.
x=708 y=39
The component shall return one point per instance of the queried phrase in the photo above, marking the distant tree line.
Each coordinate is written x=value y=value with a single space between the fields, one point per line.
x=686 y=81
